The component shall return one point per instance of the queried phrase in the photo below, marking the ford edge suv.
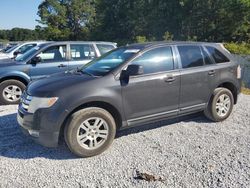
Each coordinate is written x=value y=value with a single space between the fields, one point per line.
x=129 y=86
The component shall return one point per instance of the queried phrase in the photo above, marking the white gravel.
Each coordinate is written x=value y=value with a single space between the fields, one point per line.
x=189 y=152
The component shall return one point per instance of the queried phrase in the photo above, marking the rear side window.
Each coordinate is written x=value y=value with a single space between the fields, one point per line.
x=217 y=55
x=156 y=60
x=104 y=48
x=82 y=52
x=207 y=59
x=191 y=56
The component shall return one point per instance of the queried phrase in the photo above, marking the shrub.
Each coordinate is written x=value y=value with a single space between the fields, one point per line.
x=238 y=48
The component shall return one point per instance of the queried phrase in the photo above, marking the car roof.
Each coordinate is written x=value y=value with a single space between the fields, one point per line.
x=152 y=44
x=80 y=42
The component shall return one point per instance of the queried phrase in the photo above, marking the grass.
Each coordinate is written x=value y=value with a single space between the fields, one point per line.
x=245 y=91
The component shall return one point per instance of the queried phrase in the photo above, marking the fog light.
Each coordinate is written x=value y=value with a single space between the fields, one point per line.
x=34 y=133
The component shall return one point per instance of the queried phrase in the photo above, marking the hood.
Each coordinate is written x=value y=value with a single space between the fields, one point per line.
x=53 y=85
x=9 y=62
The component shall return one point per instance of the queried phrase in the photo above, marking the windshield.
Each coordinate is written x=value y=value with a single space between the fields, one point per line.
x=27 y=54
x=108 y=62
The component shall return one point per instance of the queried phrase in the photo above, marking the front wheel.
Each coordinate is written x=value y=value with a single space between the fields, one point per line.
x=11 y=91
x=220 y=105
x=90 y=131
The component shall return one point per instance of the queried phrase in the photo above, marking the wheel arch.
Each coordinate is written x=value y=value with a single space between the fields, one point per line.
x=101 y=104
x=25 y=81
x=231 y=87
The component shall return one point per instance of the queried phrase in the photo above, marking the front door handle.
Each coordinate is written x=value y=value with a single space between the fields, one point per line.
x=211 y=73
x=169 y=79
x=62 y=65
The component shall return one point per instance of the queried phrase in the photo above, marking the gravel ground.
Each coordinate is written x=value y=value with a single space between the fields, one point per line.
x=186 y=152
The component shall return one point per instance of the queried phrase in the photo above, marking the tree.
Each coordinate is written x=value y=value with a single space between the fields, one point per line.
x=66 y=19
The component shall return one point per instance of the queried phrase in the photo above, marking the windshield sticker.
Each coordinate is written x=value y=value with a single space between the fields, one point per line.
x=131 y=51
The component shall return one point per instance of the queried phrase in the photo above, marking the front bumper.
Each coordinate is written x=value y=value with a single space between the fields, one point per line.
x=39 y=127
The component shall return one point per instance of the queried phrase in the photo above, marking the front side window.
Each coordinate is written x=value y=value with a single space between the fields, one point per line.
x=104 y=48
x=217 y=55
x=82 y=52
x=53 y=54
x=191 y=56
x=156 y=60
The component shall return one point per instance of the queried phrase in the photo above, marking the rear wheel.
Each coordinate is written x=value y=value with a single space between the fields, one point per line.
x=11 y=91
x=220 y=105
x=90 y=131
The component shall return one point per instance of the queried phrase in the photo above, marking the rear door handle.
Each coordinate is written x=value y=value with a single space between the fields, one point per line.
x=211 y=73
x=62 y=65
x=169 y=79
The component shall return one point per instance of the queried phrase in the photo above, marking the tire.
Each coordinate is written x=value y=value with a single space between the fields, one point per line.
x=217 y=110
x=11 y=85
x=78 y=136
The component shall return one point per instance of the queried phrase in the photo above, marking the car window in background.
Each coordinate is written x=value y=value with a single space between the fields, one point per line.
x=109 y=61
x=104 y=48
x=28 y=54
x=11 y=49
x=217 y=55
x=26 y=48
x=53 y=54
x=191 y=56
x=82 y=51
x=156 y=60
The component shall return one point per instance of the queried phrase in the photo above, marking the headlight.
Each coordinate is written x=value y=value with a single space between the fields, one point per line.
x=37 y=103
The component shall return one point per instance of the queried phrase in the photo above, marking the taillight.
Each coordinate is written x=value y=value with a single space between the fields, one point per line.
x=238 y=72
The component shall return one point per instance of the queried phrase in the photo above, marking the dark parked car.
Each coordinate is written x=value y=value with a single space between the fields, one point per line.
x=129 y=86
x=42 y=60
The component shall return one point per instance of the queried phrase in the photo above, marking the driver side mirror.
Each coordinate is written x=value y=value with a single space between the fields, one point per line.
x=16 y=53
x=132 y=70
x=36 y=60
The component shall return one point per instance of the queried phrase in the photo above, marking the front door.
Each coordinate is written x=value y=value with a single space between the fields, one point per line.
x=155 y=94
x=53 y=60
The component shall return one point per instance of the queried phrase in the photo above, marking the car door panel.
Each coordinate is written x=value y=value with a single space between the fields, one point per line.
x=53 y=60
x=155 y=94
x=151 y=96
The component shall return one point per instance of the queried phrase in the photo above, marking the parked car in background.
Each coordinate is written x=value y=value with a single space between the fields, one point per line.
x=6 y=47
x=18 y=49
x=42 y=60
x=132 y=85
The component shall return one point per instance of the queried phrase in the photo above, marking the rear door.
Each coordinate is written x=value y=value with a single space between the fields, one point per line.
x=155 y=94
x=198 y=77
x=80 y=54
x=53 y=60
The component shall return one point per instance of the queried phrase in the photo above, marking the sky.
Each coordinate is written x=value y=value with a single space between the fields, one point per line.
x=18 y=13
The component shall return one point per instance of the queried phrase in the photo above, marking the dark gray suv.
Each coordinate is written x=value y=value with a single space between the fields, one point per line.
x=128 y=86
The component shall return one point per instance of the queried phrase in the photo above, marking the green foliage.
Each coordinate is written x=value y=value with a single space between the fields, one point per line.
x=141 y=39
x=66 y=19
x=18 y=34
x=124 y=21
x=168 y=36
x=238 y=48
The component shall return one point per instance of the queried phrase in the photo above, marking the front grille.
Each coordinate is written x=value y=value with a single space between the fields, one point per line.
x=25 y=101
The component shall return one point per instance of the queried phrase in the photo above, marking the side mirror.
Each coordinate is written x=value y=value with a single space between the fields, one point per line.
x=36 y=60
x=16 y=53
x=132 y=70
